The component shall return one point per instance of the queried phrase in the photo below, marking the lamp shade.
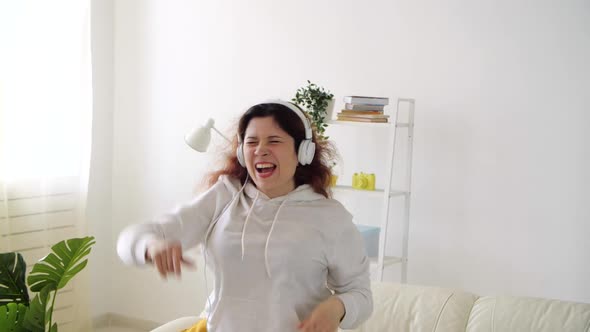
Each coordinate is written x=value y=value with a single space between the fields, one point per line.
x=200 y=137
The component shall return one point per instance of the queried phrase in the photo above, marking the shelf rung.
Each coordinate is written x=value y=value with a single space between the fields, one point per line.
x=387 y=261
x=360 y=124
x=369 y=124
x=350 y=188
x=395 y=193
x=376 y=191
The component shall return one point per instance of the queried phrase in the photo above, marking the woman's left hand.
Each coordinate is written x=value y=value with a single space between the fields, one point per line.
x=325 y=317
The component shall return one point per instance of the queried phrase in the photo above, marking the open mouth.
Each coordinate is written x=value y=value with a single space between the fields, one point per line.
x=265 y=169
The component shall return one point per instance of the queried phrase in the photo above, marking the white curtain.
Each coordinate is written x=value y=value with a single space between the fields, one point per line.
x=45 y=130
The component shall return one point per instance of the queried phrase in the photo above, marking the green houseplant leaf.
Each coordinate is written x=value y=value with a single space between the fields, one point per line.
x=60 y=266
x=12 y=317
x=314 y=99
x=48 y=276
x=12 y=279
x=38 y=314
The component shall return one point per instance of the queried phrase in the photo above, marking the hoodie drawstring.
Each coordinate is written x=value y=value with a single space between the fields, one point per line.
x=246 y=223
x=268 y=238
x=272 y=226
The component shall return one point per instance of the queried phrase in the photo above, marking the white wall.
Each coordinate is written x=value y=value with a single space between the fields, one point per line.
x=501 y=140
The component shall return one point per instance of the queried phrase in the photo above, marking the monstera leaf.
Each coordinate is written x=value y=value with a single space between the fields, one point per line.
x=38 y=313
x=12 y=317
x=12 y=279
x=60 y=266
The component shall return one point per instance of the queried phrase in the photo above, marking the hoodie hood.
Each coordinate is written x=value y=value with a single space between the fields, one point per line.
x=303 y=193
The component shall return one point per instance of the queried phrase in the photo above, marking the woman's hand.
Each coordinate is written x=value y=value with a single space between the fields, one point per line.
x=167 y=257
x=325 y=317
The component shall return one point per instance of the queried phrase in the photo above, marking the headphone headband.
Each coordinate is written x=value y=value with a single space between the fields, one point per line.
x=297 y=111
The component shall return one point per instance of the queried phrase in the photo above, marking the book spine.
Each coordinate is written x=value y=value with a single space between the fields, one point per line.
x=357 y=119
x=366 y=100
x=356 y=116
x=347 y=112
x=362 y=107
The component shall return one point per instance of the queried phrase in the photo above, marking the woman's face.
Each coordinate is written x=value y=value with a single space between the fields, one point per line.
x=270 y=157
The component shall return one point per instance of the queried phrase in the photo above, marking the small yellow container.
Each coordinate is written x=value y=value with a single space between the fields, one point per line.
x=333 y=180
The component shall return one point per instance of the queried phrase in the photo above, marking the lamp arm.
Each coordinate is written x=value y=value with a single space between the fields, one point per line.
x=220 y=134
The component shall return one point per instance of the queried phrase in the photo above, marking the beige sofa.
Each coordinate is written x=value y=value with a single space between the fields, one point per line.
x=417 y=308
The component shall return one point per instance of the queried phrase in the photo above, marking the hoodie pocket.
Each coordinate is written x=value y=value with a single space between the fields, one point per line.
x=238 y=314
x=250 y=315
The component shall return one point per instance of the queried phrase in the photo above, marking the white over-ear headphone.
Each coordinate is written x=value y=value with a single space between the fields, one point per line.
x=306 y=148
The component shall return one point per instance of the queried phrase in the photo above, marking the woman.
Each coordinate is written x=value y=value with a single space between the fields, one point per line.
x=286 y=257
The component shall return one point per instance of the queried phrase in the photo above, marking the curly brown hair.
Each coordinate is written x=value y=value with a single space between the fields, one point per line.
x=317 y=174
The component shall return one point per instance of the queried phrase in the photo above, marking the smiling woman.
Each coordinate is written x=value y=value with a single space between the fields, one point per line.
x=278 y=123
x=270 y=157
x=286 y=256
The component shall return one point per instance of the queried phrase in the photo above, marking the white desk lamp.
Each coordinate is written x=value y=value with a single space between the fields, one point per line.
x=200 y=137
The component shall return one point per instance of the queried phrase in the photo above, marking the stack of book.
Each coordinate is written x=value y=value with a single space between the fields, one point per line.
x=363 y=109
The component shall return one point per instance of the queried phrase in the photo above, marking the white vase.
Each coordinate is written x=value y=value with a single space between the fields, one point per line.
x=330 y=111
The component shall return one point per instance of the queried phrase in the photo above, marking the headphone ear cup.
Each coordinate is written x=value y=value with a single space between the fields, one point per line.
x=306 y=152
x=240 y=155
x=310 y=152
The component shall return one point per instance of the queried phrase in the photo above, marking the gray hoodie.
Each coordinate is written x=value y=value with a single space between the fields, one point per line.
x=274 y=259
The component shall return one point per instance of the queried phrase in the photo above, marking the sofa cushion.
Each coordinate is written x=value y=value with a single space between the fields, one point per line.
x=418 y=308
x=528 y=314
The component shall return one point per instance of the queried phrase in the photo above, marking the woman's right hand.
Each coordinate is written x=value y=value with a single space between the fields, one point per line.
x=167 y=257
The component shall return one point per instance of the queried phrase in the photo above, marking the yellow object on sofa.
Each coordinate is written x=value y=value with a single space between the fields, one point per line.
x=200 y=326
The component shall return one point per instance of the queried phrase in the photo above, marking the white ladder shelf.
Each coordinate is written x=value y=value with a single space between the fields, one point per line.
x=379 y=263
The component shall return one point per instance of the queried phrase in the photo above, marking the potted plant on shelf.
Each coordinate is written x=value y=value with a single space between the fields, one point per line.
x=318 y=104
x=49 y=275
